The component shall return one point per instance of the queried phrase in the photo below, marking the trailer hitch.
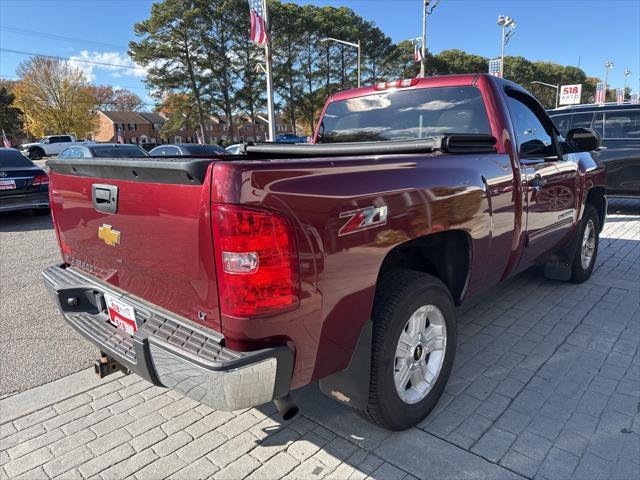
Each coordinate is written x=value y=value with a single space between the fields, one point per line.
x=106 y=365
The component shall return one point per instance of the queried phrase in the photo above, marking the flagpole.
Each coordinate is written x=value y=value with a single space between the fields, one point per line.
x=267 y=54
x=423 y=48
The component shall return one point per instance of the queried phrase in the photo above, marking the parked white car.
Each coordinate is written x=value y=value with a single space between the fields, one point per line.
x=49 y=146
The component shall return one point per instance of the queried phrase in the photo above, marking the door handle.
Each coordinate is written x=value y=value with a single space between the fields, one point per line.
x=537 y=183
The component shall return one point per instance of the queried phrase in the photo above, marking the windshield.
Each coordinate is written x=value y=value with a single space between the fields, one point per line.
x=405 y=115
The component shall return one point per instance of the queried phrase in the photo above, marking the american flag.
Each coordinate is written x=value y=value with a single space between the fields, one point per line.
x=417 y=52
x=258 y=25
x=494 y=67
x=619 y=95
x=5 y=140
x=119 y=139
x=600 y=92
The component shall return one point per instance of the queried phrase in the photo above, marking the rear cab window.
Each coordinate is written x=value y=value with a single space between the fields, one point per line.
x=405 y=115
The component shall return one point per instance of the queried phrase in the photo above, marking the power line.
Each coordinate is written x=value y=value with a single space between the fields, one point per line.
x=55 y=57
x=53 y=36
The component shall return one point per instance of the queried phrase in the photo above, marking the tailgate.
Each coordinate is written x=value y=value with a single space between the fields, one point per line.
x=142 y=226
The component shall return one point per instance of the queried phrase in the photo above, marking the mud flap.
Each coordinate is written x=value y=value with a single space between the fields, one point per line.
x=351 y=385
x=559 y=265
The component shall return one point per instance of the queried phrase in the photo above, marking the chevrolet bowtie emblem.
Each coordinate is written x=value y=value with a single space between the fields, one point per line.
x=108 y=235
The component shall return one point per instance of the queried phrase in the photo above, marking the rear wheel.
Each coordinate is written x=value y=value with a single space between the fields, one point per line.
x=587 y=246
x=414 y=341
x=36 y=153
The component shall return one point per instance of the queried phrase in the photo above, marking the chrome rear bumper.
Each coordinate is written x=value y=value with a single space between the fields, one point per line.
x=169 y=351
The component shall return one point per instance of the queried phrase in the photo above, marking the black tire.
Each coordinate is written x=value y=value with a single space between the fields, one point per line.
x=591 y=220
x=36 y=153
x=42 y=211
x=399 y=294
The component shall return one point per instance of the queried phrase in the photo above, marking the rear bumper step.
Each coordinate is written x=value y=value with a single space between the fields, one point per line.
x=168 y=351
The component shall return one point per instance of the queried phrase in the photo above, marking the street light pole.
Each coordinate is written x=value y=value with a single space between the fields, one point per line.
x=509 y=23
x=423 y=47
x=556 y=87
x=607 y=67
x=351 y=44
x=627 y=73
x=426 y=11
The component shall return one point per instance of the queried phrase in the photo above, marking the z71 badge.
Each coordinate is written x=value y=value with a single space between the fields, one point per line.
x=363 y=219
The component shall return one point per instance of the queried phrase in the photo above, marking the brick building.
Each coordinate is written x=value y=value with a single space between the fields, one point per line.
x=145 y=127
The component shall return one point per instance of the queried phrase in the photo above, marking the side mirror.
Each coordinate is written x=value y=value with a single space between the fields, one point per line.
x=583 y=140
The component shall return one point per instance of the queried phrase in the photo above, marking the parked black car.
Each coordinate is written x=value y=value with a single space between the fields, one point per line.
x=619 y=126
x=149 y=146
x=23 y=185
x=103 y=150
x=181 y=149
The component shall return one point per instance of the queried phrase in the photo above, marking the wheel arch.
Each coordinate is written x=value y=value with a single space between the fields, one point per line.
x=596 y=197
x=445 y=255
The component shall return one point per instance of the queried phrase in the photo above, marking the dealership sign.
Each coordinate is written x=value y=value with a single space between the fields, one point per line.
x=570 y=94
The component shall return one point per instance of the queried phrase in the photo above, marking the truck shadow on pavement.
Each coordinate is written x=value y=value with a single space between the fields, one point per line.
x=546 y=373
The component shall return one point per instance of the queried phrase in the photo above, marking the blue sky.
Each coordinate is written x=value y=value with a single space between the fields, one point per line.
x=563 y=31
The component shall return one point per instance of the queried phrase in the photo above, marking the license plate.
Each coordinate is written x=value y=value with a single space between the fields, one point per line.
x=7 y=184
x=121 y=314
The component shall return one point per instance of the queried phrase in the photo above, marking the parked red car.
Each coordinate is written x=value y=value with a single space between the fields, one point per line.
x=237 y=280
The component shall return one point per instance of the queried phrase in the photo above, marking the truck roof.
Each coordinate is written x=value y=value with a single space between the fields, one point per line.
x=438 y=81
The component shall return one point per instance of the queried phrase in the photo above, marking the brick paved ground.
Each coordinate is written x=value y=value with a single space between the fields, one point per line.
x=546 y=385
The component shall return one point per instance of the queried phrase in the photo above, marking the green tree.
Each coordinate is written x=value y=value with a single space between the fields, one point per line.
x=55 y=97
x=10 y=115
x=169 y=47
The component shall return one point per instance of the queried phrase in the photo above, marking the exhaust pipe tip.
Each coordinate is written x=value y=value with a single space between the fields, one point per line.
x=287 y=408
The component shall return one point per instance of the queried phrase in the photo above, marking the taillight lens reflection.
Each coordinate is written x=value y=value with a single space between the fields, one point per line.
x=256 y=261
x=41 y=179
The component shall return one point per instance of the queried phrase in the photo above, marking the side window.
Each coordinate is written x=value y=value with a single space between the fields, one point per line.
x=64 y=153
x=534 y=140
x=581 y=120
x=54 y=139
x=64 y=138
x=598 y=123
x=562 y=122
x=622 y=124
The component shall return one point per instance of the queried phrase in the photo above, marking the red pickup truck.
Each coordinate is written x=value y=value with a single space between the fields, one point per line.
x=237 y=279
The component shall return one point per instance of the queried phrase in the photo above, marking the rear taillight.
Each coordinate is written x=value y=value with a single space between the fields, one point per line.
x=41 y=179
x=256 y=261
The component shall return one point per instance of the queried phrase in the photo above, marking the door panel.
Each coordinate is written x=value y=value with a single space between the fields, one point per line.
x=550 y=179
x=621 y=150
x=551 y=203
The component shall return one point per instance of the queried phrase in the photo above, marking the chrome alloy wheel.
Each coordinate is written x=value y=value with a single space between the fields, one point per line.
x=588 y=245
x=420 y=353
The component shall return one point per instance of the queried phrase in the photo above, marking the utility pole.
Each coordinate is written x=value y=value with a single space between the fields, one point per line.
x=607 y=67
x=267 y=62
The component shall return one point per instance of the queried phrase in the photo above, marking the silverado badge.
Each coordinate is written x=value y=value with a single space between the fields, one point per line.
x=108 y=235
